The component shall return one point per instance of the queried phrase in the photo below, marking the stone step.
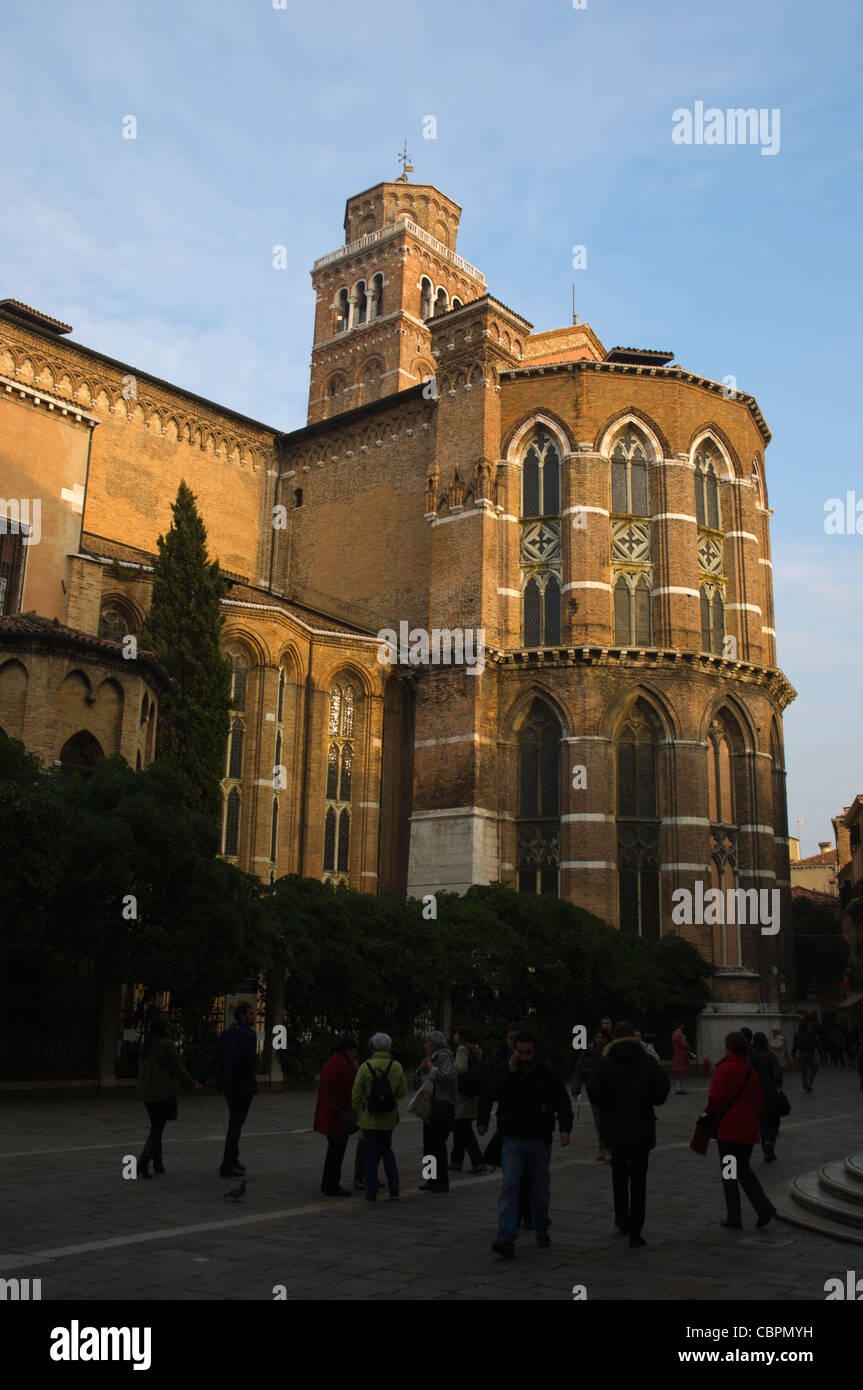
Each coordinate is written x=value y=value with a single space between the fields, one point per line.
x=835 y=1179
x=854 y=1166
x=807 y=1192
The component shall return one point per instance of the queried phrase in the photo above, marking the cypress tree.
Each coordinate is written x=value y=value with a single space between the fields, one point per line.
x=183 y=628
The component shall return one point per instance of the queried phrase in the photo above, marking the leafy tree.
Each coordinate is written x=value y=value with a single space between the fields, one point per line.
x=184 y=627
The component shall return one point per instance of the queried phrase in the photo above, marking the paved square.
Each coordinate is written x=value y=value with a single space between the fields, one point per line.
x=70 y=1218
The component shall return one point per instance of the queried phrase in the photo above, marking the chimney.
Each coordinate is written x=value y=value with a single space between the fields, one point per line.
x=793 y=848
x=824 y=846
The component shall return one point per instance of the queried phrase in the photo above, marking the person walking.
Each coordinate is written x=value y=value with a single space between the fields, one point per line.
x=378 y=1087
x=438 y=1066
x=469 y=1074
x=737 y=1097
x=485 y=1102
x=769 y=1071
x=778 y=1046
x=585 y=1063
x=532 y=1098
x=804 y=1043
x=235 y=1061
x=682 y=1055
x=160 y=1076
x=334 y=1099
x=625 y=1085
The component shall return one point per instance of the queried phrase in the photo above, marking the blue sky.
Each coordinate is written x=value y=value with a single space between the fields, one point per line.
x=554 y=129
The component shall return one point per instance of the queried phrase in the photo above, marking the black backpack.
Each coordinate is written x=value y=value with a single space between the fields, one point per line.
x=470 y=1081
x=381 y=1099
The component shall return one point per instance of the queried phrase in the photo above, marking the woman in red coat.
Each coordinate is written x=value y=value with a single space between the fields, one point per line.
x=736 y=1094
x=334 y=1093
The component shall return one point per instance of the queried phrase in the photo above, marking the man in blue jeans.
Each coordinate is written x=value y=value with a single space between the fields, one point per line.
x=532 y=1099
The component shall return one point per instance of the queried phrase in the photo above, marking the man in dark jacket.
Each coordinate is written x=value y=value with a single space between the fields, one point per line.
x=626 y=1083
x=804 y=1043
x=235 y=1058
x=531 y=1098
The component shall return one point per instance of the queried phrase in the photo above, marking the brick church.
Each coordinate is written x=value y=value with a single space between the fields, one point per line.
x=595 y=522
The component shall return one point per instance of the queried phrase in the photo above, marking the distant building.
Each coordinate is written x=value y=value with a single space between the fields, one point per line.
x=817 y=871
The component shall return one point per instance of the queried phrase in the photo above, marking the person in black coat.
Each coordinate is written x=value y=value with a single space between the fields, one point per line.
x=770 y=1075
x=626 y=1083
x=235 y=1059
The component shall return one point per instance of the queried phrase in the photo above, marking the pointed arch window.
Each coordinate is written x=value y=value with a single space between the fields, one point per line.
x=712 y=619
x=538 y=826
x=239 y=680
x=426 y=298
x=631 y=563
x=115 y=622
x=708 y=463
x=724 y=834
x=638 y=822
x=340 y=758
x=281 y=701
x=274 y=831
x=342 y=311
x=235 y=750
x=541 y=550
x=231 y=842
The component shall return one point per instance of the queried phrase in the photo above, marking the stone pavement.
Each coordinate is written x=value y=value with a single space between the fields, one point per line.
x=69 y=1218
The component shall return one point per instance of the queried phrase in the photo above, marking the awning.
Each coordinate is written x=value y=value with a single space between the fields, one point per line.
x=850 y=1001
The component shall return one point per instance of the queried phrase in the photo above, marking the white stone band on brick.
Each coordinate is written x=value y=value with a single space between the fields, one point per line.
x=675 y=589
x=770 y=630
x=600 y=511
x=685 y=820
x=586 y=815
x=510 y=593
x=454 y=738
x=587 y=864
x=756 y=829
x=698 y=868
x=587 y=584
x=762 y=561
x=454 y=812
x=745 y=535
x=674 y=516
x=745 y=607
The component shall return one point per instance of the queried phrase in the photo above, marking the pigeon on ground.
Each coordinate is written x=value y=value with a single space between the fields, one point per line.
x=236 y=1192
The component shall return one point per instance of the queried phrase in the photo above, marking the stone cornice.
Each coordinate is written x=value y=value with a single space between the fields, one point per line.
x=625 y=369
x=651 y=659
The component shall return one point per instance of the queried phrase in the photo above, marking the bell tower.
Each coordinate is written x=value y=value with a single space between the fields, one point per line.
x=397 y=269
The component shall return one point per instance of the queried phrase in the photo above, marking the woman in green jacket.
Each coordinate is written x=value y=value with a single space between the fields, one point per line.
x=159 y=1080
x=377 y=1125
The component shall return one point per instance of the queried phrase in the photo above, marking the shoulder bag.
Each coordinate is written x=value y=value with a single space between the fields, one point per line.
x=346 y=1114
x=709 y=1121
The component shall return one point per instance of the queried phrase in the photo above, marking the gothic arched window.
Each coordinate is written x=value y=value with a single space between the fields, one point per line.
x=707 y=465
x=426 y=298
x=541 y=552
x=631 y=571
x=235 y=750
x=232 y=824
x=727 y=939
x=340 y=756
x=115 y=622
x=538 y=827
x=342 y=311
x=274 y=831
x=80 y=753
x=638 y=821
x=712 y=619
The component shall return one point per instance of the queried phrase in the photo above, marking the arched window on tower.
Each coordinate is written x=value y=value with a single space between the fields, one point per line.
x=359 y=304
x=541 y=552
x=638 y=821
x=342 y=312
x=631 y=562
x=538 y=827
x=231 y=839
x=338 y=810
x=441 y=304
x=274 y=832
x=426 y=298
x=712 y=618
x=377 y=288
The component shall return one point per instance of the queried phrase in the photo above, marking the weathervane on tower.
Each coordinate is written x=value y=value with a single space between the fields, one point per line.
x=407 y=168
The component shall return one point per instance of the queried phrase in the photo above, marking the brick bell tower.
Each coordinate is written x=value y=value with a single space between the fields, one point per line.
x=375 y=296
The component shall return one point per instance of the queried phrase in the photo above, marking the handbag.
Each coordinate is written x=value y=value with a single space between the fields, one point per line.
x=421 y=1104
x=347 y=1116
x=783 y=1104
x=709 y=1121
x=442 y=1111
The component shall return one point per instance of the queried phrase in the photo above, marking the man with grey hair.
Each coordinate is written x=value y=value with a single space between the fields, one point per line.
x=438 y=1066
x=380 y=1083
